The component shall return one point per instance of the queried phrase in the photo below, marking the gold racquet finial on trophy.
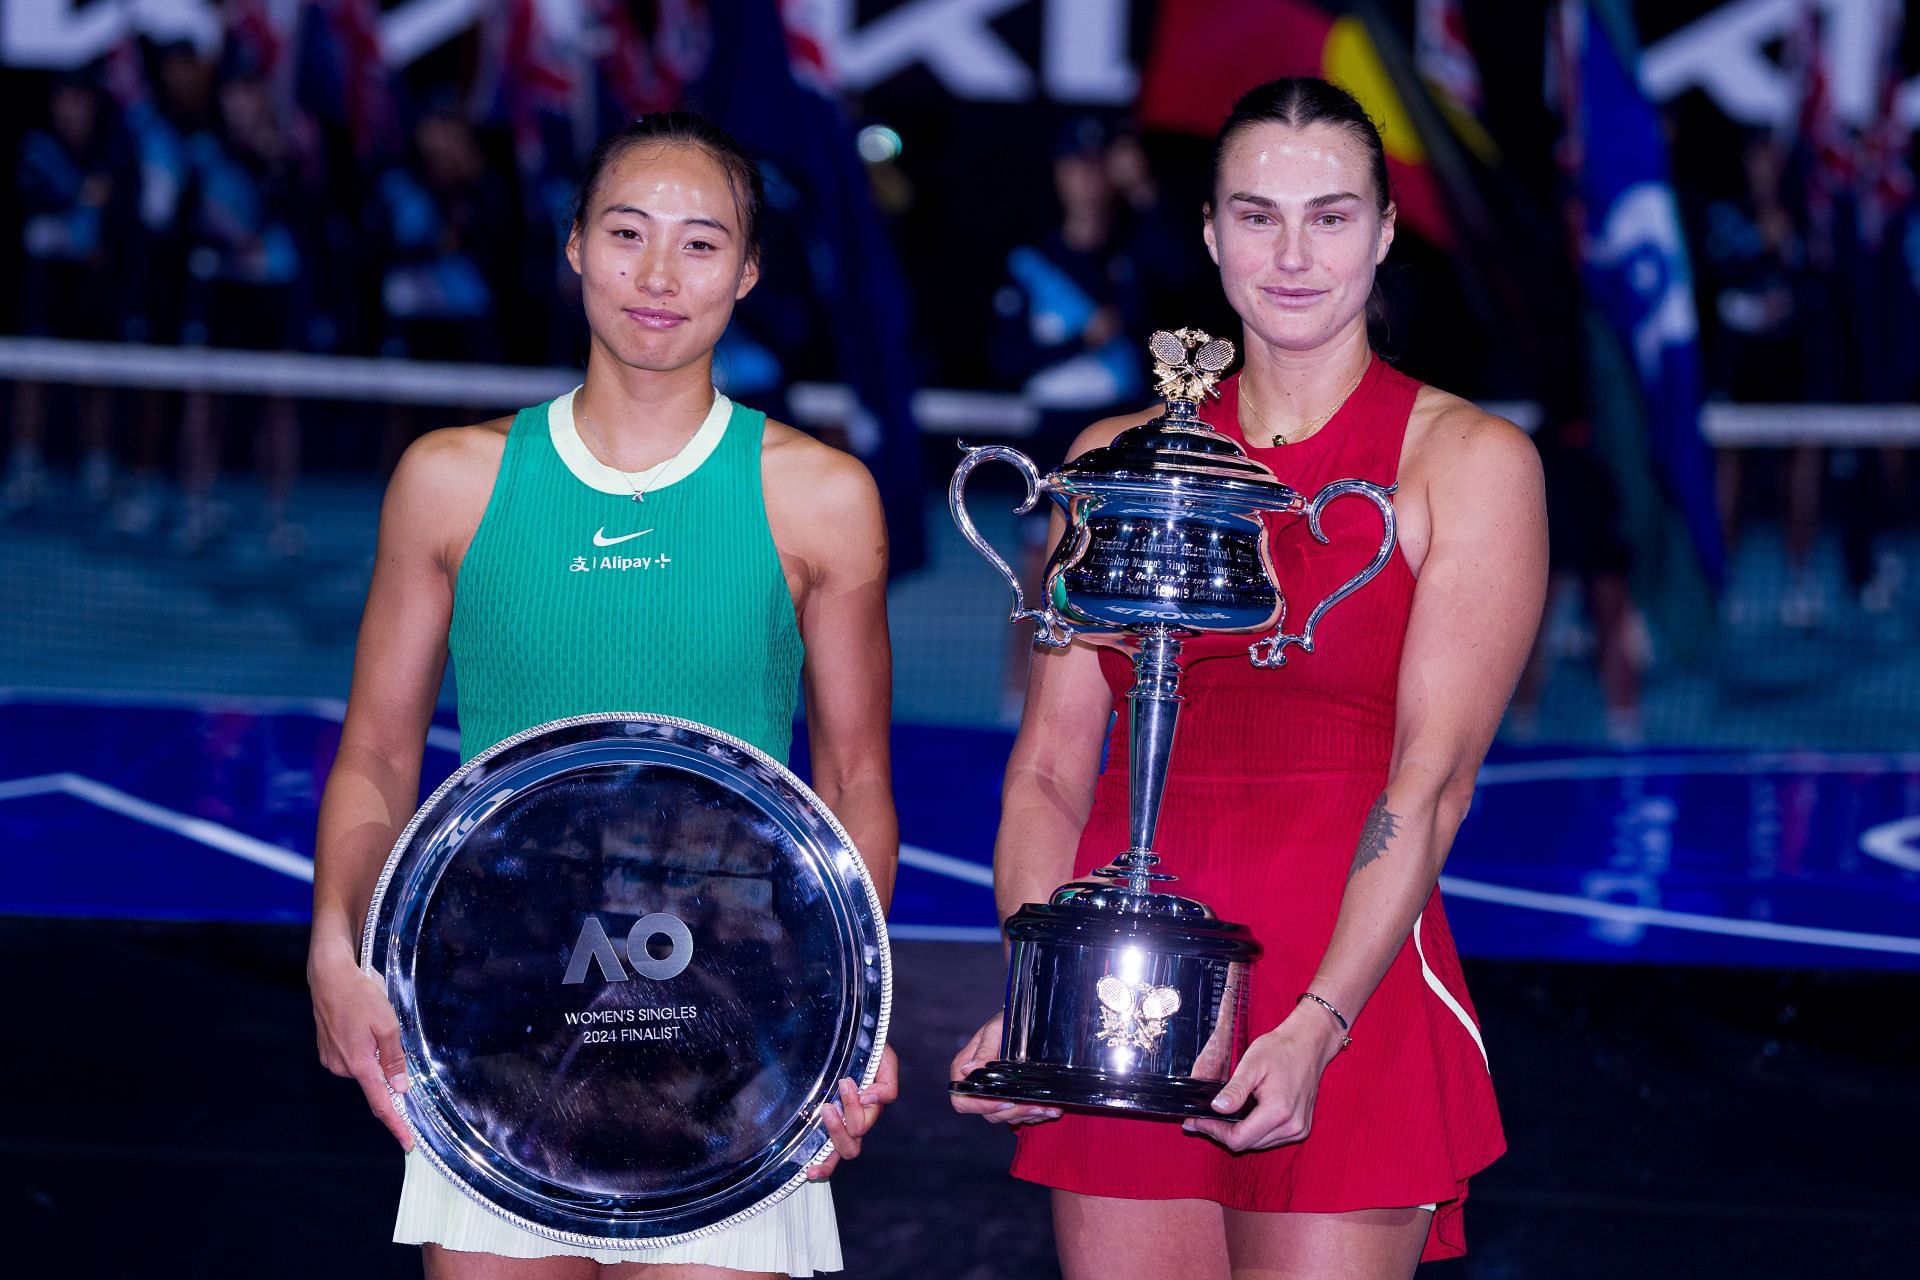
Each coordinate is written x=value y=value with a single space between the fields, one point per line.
x=1187 y=363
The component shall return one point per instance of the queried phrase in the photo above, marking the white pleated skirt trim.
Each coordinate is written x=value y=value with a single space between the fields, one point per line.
x=798 y=1236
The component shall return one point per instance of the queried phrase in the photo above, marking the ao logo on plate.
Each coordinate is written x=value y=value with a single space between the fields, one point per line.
x=593 y=946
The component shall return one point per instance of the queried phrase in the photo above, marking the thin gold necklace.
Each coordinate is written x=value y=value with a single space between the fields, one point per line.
x=1275 y=439
x=656 y=472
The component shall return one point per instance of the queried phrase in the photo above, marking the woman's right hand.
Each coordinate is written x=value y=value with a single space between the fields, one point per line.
x=978 y=1052
x=360 y=1037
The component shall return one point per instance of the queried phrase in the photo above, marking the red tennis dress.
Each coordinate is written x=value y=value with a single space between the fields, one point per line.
x=1271 y=778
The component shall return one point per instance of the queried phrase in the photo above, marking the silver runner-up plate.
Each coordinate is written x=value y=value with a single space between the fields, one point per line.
x=631 y=956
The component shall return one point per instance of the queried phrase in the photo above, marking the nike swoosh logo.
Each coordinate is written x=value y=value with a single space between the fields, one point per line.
x=600 y=538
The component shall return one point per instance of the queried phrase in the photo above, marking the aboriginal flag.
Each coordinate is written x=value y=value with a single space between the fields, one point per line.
x=1206 y=53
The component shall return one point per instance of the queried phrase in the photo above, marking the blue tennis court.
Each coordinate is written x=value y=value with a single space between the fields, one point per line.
x=184 y=809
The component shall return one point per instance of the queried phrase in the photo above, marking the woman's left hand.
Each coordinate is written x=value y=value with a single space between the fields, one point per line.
x=849 y=1120
x=1281 y=1073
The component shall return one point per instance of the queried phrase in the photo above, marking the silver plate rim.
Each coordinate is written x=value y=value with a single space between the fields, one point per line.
x=869 y=1073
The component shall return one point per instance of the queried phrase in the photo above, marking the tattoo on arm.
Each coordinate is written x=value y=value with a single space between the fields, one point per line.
x=1381 y=826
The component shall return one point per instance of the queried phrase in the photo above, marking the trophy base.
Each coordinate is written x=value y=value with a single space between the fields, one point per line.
x=1085 y=1089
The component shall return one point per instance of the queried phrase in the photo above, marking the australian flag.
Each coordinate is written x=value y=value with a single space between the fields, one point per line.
x=805 y=142
x=1634 y=260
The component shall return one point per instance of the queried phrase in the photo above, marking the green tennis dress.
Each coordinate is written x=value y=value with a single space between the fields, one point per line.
x=573 y=598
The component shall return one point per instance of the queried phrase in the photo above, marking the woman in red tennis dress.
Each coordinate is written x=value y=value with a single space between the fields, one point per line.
x=1317 y=803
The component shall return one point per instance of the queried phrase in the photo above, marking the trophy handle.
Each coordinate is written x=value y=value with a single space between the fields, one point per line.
x=1271 y=651
x=1053 y=631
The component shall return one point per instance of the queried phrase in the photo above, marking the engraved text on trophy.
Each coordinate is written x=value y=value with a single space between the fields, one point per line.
x=1139 y=569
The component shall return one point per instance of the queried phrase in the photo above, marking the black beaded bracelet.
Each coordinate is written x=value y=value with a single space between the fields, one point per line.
x=1338 y=1017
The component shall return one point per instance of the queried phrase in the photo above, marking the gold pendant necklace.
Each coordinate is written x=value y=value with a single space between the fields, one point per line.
x=655 y=472
x=1275 y=439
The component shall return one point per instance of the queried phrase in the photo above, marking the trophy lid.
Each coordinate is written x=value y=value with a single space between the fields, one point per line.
x=1178 y=447
x=1084 y=913
x=1119 y=899
x=630 y=956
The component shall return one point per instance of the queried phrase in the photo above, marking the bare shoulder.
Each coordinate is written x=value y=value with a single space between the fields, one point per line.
x=823 y=509
x=1104 y=432
x=828 y=481
x=446 y=462
x=441 y=486
x=1451 y=440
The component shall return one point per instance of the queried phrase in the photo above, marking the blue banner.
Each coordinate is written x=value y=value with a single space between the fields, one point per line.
x=806 y=147
x=1636 y=270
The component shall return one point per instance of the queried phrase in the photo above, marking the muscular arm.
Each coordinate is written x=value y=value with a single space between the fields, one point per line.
x=1055 y=762
x=1475 y=611
x=832 y=537
x=1050 y=776
x=1047 y=795
x=1044 y=803
x=827 y=515
x=373 y=787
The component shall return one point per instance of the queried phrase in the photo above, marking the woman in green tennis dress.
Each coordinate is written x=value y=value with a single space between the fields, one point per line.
x=639 y=544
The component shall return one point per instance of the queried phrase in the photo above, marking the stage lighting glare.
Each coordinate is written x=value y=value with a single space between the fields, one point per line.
x=878 y=144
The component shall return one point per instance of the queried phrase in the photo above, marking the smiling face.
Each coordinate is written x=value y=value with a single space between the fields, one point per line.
x=661 y=256
x=1297 y=231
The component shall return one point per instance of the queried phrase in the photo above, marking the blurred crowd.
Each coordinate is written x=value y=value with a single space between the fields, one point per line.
x=281 y=188
x=1811 y=269
x=283 y=191
x=173 y=196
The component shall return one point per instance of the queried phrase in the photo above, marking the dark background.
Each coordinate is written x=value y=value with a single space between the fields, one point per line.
x=1666 y=1123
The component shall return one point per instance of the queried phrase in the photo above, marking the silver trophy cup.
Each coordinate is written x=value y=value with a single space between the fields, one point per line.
x=1120 y=996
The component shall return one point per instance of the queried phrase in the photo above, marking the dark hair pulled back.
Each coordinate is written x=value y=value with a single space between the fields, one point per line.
x=681 y=129
x=1298 y=101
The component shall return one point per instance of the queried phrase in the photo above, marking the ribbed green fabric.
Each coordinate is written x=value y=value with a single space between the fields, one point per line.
x=690 y=619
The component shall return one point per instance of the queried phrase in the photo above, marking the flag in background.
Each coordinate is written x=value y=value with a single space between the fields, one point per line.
x=1444 y=63
x=1634 y=258
x=635 y=72
x=341 y=75
x=751 y=89
x=255 y=41
x=527 y=79
x=1206 y=53
x=251 y=37
x=1886 y=174
x=806 y=23
x=123 y=74
x=1441 y=54
x=372 y=116
x=1817 y=141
